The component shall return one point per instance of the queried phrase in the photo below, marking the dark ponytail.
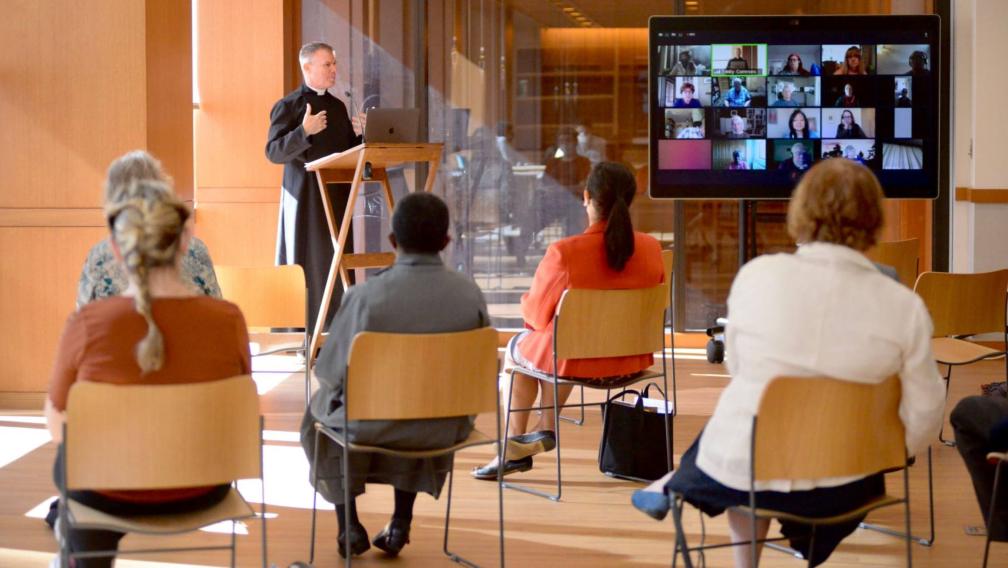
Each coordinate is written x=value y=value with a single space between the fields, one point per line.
x=612 y=187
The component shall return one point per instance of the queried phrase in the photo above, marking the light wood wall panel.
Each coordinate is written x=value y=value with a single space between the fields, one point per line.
x=241 y=74
x=39 y=281
x=73 y=98
x=168 y=61
x=80 y=84
x=242 y=234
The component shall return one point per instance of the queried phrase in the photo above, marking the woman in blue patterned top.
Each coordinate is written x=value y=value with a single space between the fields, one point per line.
x=102 y=276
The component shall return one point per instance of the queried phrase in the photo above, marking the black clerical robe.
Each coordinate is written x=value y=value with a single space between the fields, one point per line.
x=302 y=232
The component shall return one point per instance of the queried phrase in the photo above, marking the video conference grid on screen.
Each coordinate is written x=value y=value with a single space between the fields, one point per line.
x=799 y=103
x=763 y=113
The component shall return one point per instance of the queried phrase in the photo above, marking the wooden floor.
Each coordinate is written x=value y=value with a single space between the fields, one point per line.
x=594 y=525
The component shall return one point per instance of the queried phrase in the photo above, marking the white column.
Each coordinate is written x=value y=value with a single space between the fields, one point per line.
x=980 y=230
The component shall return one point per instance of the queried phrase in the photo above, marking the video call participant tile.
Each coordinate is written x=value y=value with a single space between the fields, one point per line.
x=684 y=154
x=738 y=123
x=740 y=155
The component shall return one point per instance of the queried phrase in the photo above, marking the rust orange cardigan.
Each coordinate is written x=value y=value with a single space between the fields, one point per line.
x=580 y=262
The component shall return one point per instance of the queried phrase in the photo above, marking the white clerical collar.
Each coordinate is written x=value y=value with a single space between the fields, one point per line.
x=318 y=92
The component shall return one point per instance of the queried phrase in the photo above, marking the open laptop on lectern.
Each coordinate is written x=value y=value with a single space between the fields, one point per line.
x=397 y=125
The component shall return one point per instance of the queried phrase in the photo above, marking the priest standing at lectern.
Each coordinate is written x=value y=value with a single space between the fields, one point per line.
x=307 y=124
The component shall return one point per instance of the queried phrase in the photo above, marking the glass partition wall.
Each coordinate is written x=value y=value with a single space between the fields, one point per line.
x=526 y=95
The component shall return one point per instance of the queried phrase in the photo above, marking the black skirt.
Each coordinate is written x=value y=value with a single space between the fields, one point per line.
x=707 y=494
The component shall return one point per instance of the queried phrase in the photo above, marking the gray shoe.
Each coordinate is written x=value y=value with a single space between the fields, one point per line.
x=530 y=444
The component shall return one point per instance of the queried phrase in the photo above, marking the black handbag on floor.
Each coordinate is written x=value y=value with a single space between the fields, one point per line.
x=633 y=444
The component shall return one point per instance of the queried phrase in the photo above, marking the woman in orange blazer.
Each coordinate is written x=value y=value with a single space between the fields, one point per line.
x=608 y=255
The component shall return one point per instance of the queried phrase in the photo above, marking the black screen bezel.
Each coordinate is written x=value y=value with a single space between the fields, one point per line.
x=772 y=187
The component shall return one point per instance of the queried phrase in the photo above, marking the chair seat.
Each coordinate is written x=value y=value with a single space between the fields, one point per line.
x=476 y=438
x=233 y=506
x=878 y=502
x=951 y=351
x=600 y=383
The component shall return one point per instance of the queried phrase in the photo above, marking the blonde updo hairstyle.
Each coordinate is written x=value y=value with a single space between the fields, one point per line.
x=147 y=222
x=131 y=166
x=837 y=201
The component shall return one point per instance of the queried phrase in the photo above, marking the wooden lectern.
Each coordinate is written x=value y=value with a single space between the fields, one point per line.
x=366 y=162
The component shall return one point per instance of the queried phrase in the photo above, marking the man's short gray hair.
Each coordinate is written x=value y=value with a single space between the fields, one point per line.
x=309 y=49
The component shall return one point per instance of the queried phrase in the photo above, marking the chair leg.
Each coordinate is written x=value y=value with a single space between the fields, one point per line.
x=752 y=543
x=314 y=501
x=307 y=374
x=262 y=492
x=931 y=516
x=906 y=509
x=941 y=432
x=680 y=540
x=233 y=542
x=346 y=497
x=990 y=511
x=577 y=421
x=507 y=424
x=556 y=426
x=668 y=420
x=811 y=547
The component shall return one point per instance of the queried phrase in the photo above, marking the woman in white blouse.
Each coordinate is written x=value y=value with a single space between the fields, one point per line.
x=824 y=310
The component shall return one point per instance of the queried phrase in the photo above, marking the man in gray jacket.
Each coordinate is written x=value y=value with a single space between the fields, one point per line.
x=417 y=294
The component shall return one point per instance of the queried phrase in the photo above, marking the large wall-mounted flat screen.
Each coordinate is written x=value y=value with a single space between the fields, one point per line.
x=741 y=107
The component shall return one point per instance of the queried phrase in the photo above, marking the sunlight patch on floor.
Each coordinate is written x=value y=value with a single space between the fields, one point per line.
x=39 y=511
x=286 y=480
x=18 y=442
x=24 y=419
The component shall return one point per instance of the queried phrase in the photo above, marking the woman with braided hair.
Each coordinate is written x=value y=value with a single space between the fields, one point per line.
x=146 y=335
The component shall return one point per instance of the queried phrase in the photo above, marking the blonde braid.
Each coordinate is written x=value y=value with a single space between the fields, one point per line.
x=147 y=227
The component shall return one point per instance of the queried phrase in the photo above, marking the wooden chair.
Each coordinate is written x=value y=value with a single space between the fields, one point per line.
x=602 y=323
x=963 y=305
x=957 y=303
x=668 y=261
x=433 y=375
x=903 y=255
x=157 y=437
x=271 y=297
x=814 y=428
x=999 y=458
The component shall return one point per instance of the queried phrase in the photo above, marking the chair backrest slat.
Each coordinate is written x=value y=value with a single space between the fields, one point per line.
x=902 y=255
x=397 y=376
x=268 y=296
x=818 y=427
x=964 y=304
x=611 y=323
x=162 y=436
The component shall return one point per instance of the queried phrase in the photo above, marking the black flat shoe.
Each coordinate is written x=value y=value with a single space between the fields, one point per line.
x=358 y=541
x=393 y=537
x=530 y=444
x=489 y=471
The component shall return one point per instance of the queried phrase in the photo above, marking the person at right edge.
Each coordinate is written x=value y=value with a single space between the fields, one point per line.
x=307 y=124
x=981 y=426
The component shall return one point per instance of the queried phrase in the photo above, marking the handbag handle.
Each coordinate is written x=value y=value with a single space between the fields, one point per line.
x=621 y=394
x=647 y=389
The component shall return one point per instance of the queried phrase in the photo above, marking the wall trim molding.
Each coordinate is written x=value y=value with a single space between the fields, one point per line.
x=981 y=195
x=52 y=217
